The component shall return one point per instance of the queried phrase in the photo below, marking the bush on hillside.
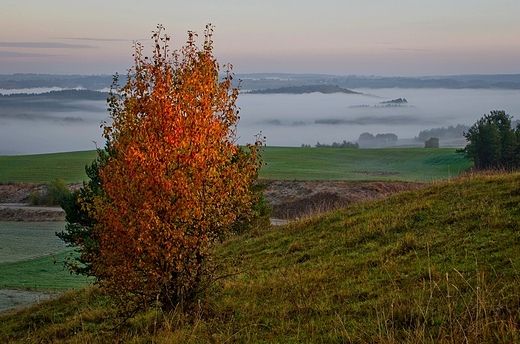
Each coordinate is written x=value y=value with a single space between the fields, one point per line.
x=493 y=143
x=54 y=194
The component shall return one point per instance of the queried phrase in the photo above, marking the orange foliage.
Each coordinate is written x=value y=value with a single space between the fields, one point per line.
x=175 y=180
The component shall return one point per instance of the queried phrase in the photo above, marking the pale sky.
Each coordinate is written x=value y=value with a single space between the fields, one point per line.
x=341 y=37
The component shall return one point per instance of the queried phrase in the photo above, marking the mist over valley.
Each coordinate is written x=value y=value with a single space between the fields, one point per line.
x=52 y=121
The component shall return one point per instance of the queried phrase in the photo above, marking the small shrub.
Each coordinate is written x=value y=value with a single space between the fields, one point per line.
x=54 y=194
x=57 y=191
x=37 y=197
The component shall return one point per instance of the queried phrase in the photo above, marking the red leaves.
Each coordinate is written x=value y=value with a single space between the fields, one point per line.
x=177 y=182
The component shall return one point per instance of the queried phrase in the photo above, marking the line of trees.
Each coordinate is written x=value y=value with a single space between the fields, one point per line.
x=451 y=132
x=379 y=140
x=343 y=144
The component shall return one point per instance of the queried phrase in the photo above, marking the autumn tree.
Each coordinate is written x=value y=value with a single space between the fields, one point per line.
x=175 y=180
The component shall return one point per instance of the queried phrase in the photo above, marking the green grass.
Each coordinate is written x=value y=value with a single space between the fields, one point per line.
x=44 y=168
x=27 y=240
x=406 y=164
x=43 y=273
x=31 y=257
x=437 y=265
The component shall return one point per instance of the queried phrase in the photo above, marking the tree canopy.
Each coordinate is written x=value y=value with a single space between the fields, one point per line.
x=174 y=180
x=493 y=143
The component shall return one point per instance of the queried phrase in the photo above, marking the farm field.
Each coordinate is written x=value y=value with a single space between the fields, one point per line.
x=403 y=164
x=43 y=168
x=282 y=163
x=31 y=257
x=28 y=240
x=31 y=266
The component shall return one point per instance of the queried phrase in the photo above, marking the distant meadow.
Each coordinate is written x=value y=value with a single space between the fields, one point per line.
x=43 y=126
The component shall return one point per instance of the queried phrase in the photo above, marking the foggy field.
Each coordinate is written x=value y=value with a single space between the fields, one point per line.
x=296 y=119
x=30 y=126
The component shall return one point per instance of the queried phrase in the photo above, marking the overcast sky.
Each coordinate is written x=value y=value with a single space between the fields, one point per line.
x=342 y=37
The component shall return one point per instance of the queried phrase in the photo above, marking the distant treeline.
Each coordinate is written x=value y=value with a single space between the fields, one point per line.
x=343 y=144
x=450 y=132
x=59 y=95
x=305 y=89
x=368 y=140
x=270 y=80
x=396 y=101
x=20 y=81
x=276 y=80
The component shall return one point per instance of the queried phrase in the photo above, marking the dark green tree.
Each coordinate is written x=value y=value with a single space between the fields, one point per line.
x=79 y=226
x=493 y=143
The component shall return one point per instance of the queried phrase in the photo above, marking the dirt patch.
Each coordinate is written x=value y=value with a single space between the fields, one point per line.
x=289 y=199
x=13 y=203
x=28 y=214
x=18 y=192
x=297 y=199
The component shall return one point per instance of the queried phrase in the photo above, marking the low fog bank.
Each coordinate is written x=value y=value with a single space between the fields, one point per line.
x=41 y=125
x=293 y=120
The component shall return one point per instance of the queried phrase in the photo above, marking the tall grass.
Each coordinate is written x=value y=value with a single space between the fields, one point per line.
x=436 y=265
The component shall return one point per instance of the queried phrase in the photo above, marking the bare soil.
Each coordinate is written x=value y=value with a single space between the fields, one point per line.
x=14 y=198
x=289 y=199
x=292 y=200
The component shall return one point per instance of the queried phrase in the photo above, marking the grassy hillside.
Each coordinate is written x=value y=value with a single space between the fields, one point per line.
x=441 y=264
x=408 y=164
x=43 y=273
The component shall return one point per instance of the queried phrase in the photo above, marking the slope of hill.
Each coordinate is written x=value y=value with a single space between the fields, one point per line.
x=440 y=264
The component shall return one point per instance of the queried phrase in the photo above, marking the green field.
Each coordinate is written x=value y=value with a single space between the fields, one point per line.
x=406 y=164
x=31 y=257
x=44 y=273
x=28 y=240
x=43 y=168
x=289 y=163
